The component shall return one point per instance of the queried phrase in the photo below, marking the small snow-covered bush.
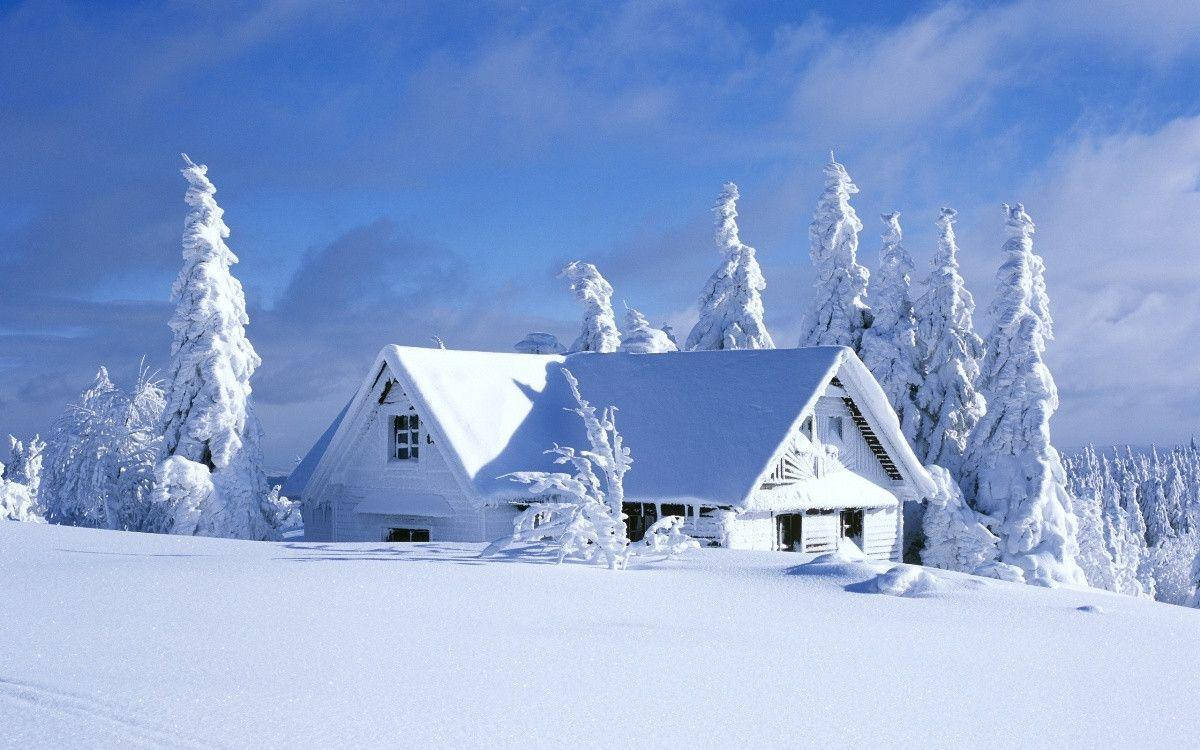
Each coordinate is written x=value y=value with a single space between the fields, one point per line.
x=666 y=537
x=16 y=502
x=583 y=518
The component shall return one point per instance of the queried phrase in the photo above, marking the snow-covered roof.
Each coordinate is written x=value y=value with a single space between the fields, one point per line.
x=702 y=426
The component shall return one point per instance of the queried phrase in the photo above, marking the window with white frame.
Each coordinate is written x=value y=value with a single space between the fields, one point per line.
x=406 y=437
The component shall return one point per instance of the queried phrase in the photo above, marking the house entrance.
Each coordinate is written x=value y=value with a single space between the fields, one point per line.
x=852 y=525
x=789 y=527
x=408 y=535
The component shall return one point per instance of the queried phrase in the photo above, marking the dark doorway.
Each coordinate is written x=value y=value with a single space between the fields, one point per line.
x=852 y=525
x=408 y=535
x=789 y=527
x=638 y=518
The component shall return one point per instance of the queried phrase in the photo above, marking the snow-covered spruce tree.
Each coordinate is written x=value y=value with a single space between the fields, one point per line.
x=1124 y=545
x=640 y=337
x=583 y=516
x=25 y=463
x=948 y=395
x=731 y=307
x=837 y=312
x=599 y=332
x=1085 y=486
x=956 y=538
x=889 y=346
x=1195 y=601
x=539 y=342
x=209 y=419
x=1015 y=474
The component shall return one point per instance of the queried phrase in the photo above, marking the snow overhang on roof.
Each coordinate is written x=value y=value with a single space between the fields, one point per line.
x=703 y=427
x=841 y=489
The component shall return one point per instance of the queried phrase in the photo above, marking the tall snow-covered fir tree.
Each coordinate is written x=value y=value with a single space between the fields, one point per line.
x=731 y=307
x=599 y=332
x=948 y=395
x=837 y=312
x=1015 y=474
x=889 y=346
x=211 y=471
x=640 y=337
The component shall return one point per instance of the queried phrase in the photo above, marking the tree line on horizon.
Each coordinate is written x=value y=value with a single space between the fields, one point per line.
x=182 y=455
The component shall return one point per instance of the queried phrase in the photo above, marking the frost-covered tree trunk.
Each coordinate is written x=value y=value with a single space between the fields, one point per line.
x=599 y=332
x=639 y=337
x=837 y=312
x=1016 y=475
x=209 y=419
x=948 y=395
x=731 y=307
x=889 y=346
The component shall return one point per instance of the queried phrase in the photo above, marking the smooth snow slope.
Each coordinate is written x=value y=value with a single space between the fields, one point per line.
x=112 y=638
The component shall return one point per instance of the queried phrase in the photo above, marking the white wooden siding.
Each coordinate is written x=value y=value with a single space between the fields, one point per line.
x=881 y=527
x=821 y=532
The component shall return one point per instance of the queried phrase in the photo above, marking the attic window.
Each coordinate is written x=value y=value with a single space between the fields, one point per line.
x=406 y=437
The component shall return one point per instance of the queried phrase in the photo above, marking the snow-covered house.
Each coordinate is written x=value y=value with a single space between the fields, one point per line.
x=758 y=449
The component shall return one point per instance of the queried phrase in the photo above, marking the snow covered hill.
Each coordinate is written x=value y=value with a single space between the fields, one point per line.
x=113 y=638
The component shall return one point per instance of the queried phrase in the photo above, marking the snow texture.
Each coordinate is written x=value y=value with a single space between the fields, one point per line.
x=25 y=463
x=956 y=537
x=539 y=342
x=754 y=399
x=209 y=418
x=427 y=645
x=906 y=580
x=599 y=332
x=948 y=395
x=639 y=337
x=731 y=307
x=889 y=346
x=837 y=312
x=590 y=523
x=1016 y=475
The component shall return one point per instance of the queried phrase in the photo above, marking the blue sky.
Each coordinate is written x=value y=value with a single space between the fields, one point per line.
x=391 y=172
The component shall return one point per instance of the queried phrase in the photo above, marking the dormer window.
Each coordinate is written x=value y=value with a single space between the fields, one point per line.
x=406 y=437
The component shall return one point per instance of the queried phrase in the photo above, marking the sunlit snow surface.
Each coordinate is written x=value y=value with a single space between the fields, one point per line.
x=115 y=639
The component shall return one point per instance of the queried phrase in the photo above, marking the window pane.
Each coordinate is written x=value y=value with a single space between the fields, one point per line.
x=402 y=422
x=414 y=421
x=401 y=452
x=420 y=535
x=402 y=437
x=414 y=451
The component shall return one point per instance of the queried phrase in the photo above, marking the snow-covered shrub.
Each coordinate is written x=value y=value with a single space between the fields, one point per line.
x=539 y=342
x=956 y=537
x=640 y=337
x=16 y=501
x=583 y=517
x=1014 y=473
x=948 y=395
x=889 y=346
x=25 y=463
x=731 y=308
x=599 y=333
x=209 y=419
x=99 y=462
x=837 y=313
x=666 y=537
